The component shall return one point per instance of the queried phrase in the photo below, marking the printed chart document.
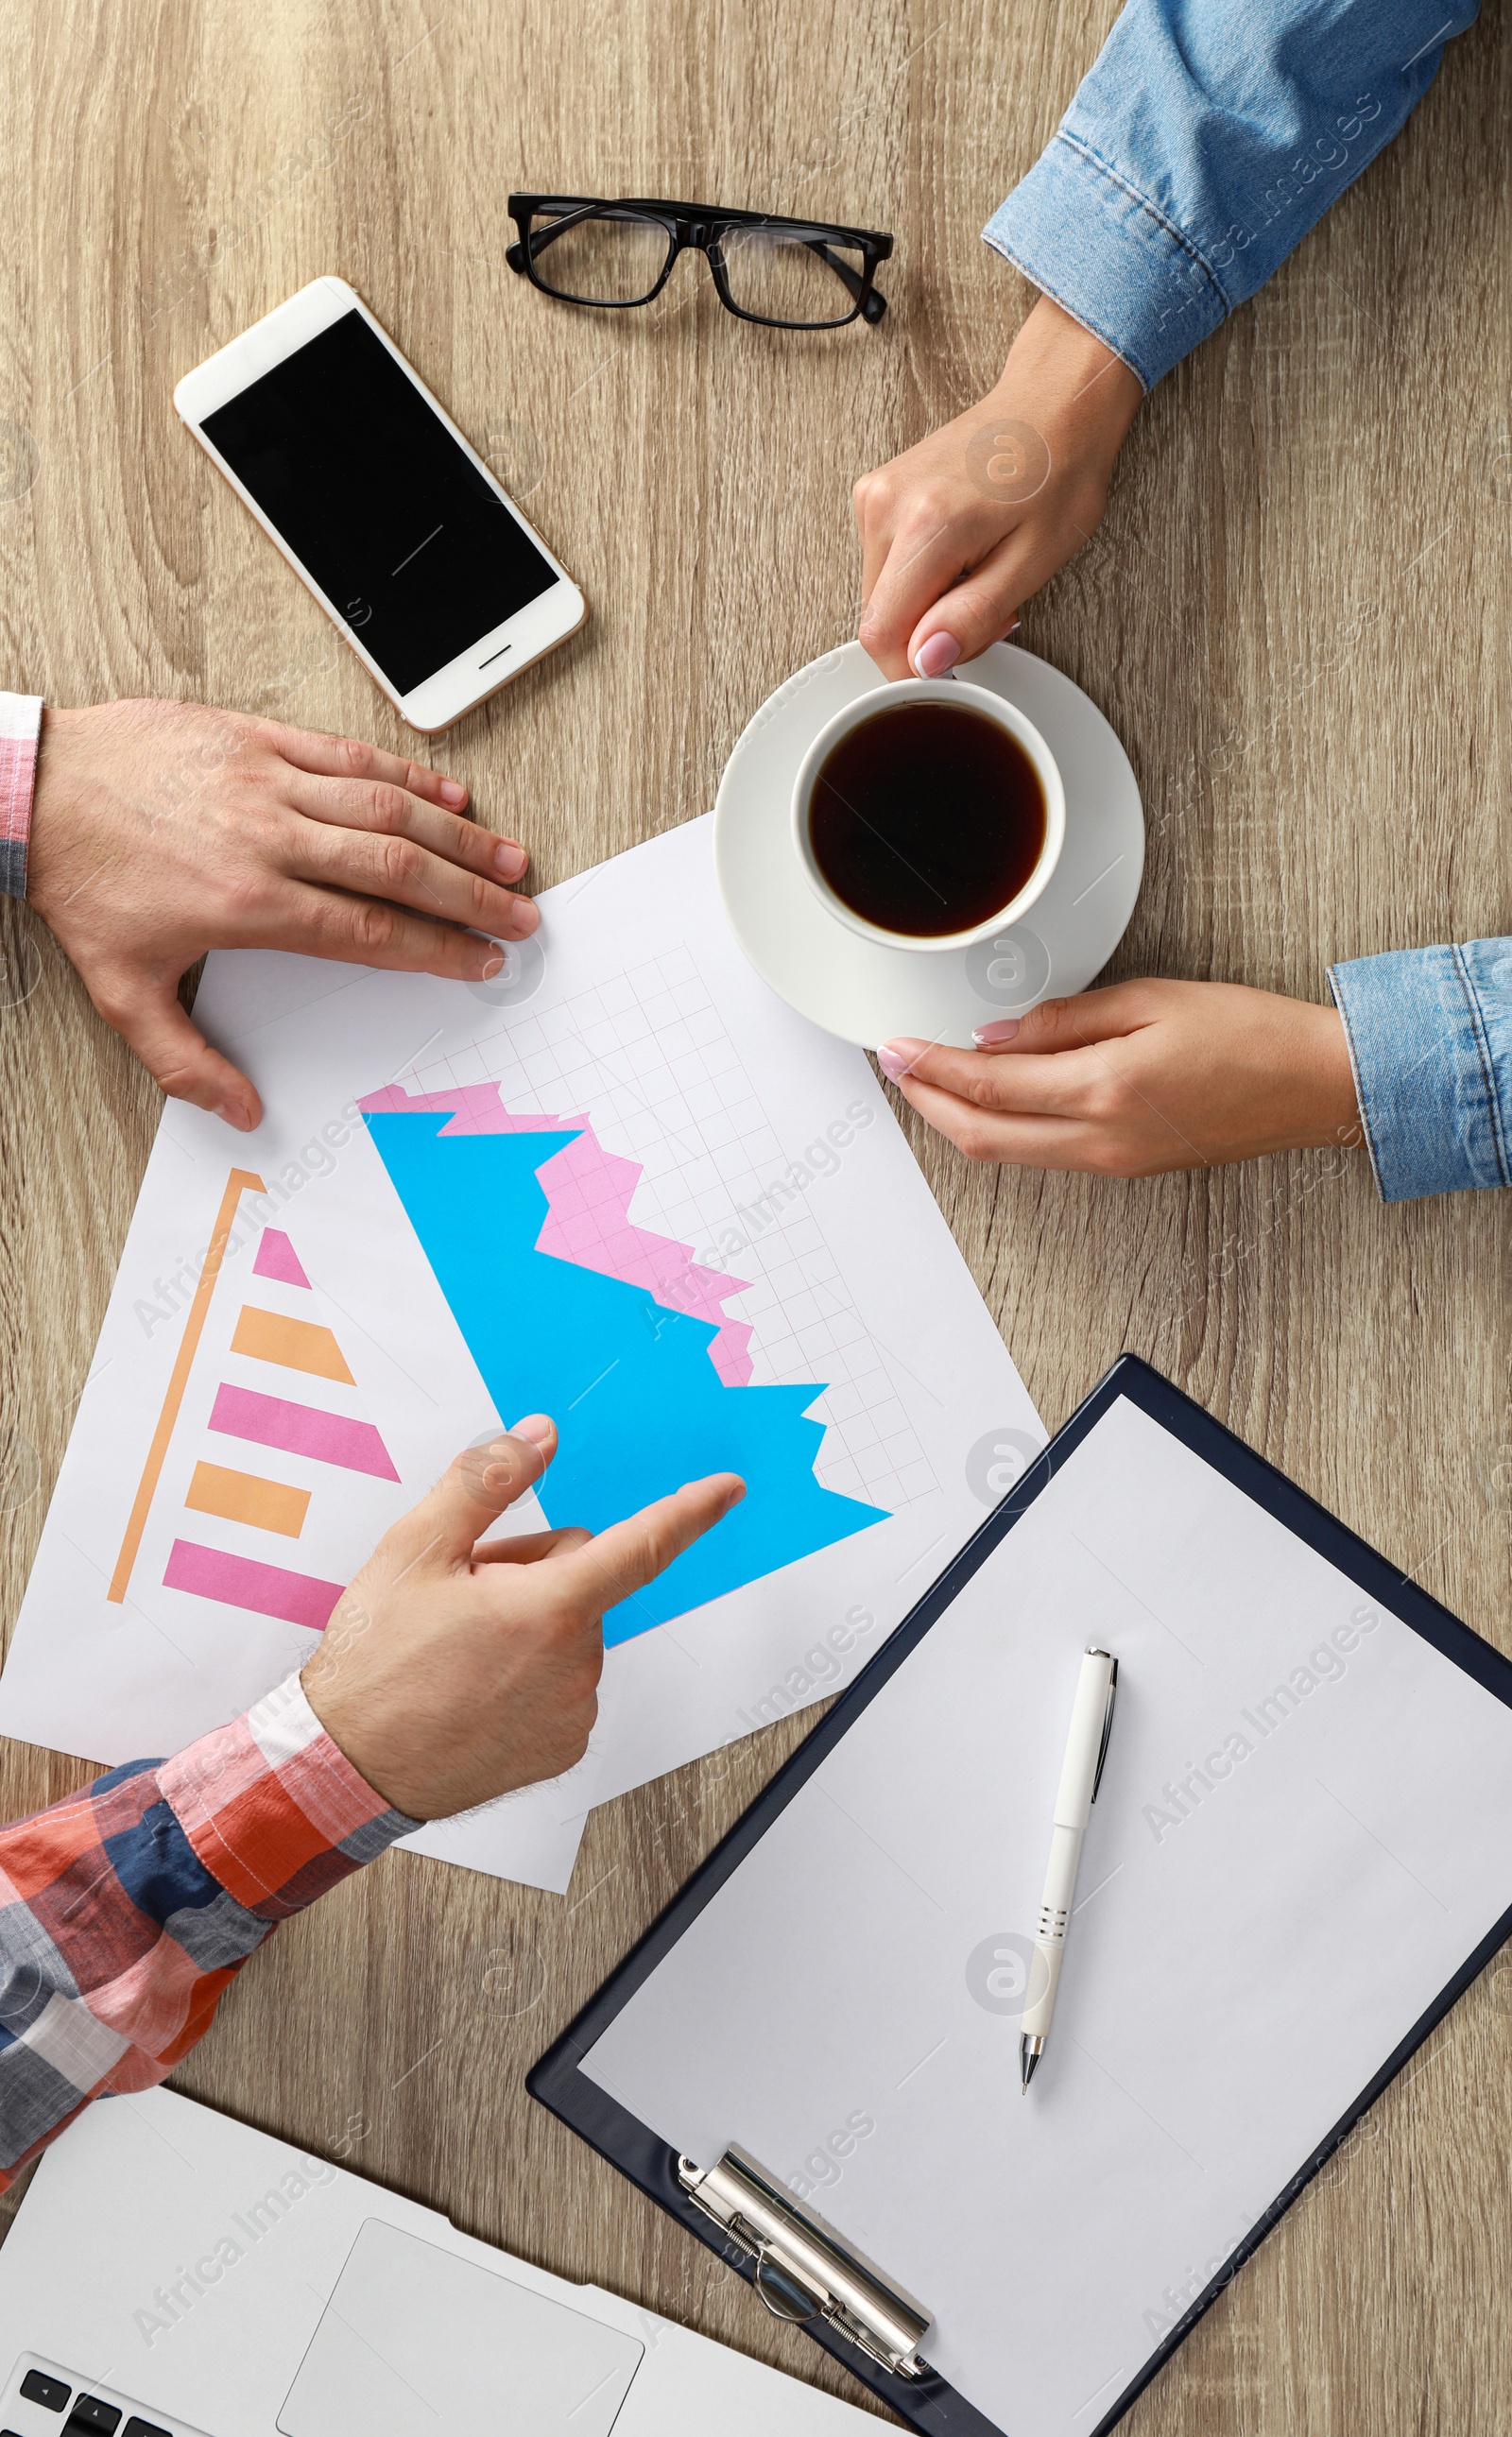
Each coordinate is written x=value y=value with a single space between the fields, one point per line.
x=1302 y=1833
x=623 y=1183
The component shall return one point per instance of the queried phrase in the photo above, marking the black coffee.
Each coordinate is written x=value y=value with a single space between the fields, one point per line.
x=927 y=819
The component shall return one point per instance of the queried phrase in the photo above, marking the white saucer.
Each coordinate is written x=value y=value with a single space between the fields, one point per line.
x=867 y=992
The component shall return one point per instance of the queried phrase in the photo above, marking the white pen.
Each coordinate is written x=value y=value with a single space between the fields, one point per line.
x=1087 y=1748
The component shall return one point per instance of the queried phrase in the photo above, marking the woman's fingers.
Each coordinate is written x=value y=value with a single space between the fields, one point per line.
x=1061 y=1023
x=1140 y=1079
x=959 y=621
x=1071 y=1109
x=927 y=557
x=1012 y=1140
x=1055 y=1026
x=1112 y=1091
x=394 y=864
x=1046 y=1086
x=959 y=530
x=876 y=541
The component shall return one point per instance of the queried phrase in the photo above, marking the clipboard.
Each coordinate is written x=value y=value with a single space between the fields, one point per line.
x=1431 y=1699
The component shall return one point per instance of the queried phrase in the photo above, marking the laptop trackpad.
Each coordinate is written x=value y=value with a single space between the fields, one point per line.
x=415 y=2340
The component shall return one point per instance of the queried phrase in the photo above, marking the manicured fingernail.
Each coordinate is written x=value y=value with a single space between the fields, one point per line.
x=895 y=1058
x=235 y=1115
x=527 y=916
x=991 y=1036
x=1014 y=629
x=510 y=859
x=538 y=1428
x=494 y=964
x=935 y=656
x=453 y=792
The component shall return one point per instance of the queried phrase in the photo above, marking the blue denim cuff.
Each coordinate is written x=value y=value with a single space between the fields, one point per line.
x=1108 y=257
x=1430 y=1033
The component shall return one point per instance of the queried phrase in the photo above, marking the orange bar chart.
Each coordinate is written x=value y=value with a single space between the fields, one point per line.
x=246 y=1497
x=242 y=1180
x=298 y=1345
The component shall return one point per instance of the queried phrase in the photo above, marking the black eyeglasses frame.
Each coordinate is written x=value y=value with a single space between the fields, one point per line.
x=700 y=228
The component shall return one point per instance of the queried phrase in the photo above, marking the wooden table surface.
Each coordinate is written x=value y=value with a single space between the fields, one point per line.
x=1298 y=615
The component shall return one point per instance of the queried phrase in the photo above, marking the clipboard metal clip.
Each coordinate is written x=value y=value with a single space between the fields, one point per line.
x=804 y=2269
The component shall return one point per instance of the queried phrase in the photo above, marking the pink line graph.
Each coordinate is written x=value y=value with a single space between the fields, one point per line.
x=302 y=1429
x=277 y=1258
x=242 y=1582
x=588 y=1220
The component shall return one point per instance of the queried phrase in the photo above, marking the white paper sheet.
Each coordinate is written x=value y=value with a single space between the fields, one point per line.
x=718 y=1124
x=1243 y=1957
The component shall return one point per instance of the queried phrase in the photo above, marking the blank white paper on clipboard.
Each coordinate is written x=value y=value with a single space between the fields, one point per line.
x=1304 y=1829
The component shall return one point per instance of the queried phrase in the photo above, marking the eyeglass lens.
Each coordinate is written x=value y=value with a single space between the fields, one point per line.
x=784 y=278
x=600 y=259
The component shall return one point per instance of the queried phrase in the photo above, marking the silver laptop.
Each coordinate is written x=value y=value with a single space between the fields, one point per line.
x=171 y=2273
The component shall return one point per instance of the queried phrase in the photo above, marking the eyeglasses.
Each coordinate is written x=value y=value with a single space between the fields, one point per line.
x=791 y=274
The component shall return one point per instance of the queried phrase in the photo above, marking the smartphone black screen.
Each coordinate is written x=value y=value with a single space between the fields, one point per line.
x=374 y=496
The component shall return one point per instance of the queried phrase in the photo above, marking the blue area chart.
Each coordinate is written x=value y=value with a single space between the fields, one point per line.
x=638 y=1406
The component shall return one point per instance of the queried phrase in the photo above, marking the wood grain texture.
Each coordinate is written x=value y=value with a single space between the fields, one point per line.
x=1298 y=615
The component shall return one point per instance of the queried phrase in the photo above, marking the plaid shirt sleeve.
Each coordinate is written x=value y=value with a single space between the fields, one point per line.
x=20 y=725
x=127 y=1909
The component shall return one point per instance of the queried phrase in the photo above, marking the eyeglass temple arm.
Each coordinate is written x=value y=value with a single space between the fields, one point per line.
x=539 y=239
x=876 y=304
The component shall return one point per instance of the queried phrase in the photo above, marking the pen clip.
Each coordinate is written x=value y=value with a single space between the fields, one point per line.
x=1107 y=1724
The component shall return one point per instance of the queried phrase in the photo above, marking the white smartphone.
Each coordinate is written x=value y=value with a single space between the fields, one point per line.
x=441 y=586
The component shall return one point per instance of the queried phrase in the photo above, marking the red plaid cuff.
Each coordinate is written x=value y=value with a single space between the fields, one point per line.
x=273 y=1809
x=20 y=724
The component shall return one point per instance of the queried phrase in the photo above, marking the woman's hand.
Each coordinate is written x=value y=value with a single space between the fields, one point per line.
x=960 y=530
x=453 y=1667
x=162 y=828
x=1139 y=1079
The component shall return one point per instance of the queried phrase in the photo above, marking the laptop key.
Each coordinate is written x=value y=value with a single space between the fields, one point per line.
x=90 y=2417
x=37 y=2387
x=135 y=2427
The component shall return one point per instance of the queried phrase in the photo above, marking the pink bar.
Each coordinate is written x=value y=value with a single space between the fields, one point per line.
x=277 y=1258
x=242 y=1581
x=588 y=1191
x=302 y=1429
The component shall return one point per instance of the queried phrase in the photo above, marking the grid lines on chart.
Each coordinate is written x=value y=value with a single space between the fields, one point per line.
x=644 y=1056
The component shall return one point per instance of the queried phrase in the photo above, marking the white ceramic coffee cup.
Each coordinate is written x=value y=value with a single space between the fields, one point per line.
x=955 y=695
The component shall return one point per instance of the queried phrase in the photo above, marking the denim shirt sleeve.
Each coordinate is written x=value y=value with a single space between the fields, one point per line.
x=1204 y=142
x=1430 y=1033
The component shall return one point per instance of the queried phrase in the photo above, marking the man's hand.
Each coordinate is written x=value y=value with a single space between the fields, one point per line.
x=1139 y=1079
x=162 y=828
x=452 y=1672
x=960 y=530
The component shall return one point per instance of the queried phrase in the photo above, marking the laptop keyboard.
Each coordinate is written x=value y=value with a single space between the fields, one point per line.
x=41 y=2399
